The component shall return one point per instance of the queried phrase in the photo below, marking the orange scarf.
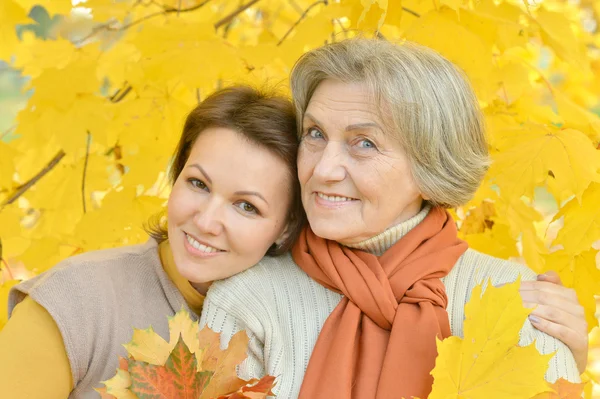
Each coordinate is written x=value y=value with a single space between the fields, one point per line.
x=379 y=342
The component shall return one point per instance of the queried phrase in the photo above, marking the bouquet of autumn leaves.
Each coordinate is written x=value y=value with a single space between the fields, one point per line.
x=190 y=366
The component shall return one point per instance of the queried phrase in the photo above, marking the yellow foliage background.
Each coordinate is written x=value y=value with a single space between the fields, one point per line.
x=84 y=166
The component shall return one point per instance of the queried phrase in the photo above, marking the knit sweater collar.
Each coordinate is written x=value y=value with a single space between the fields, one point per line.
x=380 y=243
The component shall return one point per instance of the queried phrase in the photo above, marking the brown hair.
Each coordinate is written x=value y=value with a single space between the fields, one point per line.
x=265 y=119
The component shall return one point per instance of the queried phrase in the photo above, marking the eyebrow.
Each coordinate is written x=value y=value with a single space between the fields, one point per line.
x=356 y=126
x=195 y=165
x=253 y=193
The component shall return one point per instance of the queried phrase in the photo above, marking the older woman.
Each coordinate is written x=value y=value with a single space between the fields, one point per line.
x=390 y=137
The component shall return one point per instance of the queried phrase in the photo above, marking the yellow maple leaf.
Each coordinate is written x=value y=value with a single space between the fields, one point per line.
x=577 y=117
x=581 y=273
x=557 y=33
x=119 y=220
x=36 y=54
x=473 y=55
x=581 y=222
x=62 y=7
x=11 y=14
x=564 y=160
x=7 y=166
x=487 y=363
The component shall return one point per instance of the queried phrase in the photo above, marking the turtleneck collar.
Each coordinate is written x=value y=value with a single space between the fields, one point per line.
x=382 y=242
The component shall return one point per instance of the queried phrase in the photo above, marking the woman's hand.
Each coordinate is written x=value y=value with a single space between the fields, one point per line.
x=557 y=313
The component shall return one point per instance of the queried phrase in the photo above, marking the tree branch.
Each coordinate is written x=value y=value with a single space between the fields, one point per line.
x=231 y=16
x=164 y=12
x=85 y=164
x=23 y=188
x=304 y=14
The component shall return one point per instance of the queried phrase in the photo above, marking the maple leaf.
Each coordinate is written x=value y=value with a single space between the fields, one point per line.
x=487 y=363
x=580 y=273
x=190 y=366
x=564 y=160
x=563 y=389
x=581 y=222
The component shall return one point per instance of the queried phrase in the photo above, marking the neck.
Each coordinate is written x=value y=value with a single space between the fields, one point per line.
x=202 y=288
x=380 y=243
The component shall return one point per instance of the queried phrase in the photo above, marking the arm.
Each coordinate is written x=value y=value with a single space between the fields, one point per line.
x=222 y=321
x=34 y=362
x=558 y=313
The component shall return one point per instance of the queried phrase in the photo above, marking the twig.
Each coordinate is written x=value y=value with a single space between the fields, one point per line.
x=120 y=95
x=408 y=10
x=231 y=16
x=304 y=14
x=163 y=12
x=7 y=131
x=85 y=164
x=23 y=188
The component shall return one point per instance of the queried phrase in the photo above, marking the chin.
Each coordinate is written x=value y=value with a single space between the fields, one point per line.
x=327 y=231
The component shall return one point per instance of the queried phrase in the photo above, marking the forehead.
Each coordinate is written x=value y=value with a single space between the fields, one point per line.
x=231 y=159
x=348 y=101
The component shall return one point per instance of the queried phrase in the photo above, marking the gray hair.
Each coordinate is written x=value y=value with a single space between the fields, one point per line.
x=432 y=109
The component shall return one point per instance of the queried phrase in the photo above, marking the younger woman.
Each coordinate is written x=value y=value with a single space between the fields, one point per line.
x=235 y=197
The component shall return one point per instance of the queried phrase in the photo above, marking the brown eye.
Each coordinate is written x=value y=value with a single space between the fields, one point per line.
x=247 y=207
x=197 y=183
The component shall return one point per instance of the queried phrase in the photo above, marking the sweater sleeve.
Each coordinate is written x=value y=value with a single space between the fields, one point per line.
x=562 y=364
x=476 y=268
x=228 y=324
x=34 y=359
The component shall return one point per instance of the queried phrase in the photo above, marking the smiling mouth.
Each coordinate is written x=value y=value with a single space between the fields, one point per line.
x=335 y=198
x=200 y=246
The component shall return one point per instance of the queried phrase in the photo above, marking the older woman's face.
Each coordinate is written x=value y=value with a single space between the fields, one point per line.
x=355 y=177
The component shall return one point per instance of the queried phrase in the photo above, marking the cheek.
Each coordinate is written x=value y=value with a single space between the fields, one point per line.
x=305 y=163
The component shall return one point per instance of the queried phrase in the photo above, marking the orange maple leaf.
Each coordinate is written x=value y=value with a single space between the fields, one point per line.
x=563 y=389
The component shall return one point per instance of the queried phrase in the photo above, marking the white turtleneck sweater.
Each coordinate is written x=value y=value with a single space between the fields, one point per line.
x=283 y=310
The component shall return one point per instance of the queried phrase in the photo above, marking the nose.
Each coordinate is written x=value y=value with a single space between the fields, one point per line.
x=209 y=218
x=330 y=166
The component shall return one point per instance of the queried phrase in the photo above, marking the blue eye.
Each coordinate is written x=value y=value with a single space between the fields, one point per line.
x=366 y=143
x=315 y=133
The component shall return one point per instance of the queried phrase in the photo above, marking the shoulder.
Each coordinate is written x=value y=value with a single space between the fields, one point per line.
x=84 y=282
x=95 y=271
x=479 y=268
x=264 y=279
x=271 y=288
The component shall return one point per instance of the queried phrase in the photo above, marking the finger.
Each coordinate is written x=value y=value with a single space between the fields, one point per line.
x=558 y=316
x=550 y=276
x=571 y=338
x=551 y=299
x=550 y=288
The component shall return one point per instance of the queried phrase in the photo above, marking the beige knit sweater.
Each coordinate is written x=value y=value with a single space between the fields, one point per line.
x=96 y=299
x=283 y=311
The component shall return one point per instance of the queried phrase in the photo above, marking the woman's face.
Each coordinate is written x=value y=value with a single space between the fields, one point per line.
x=227 y=207
x=355 y=178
